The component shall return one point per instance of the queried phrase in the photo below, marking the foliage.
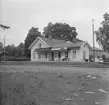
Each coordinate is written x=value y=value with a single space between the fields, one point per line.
x=104 y=57
x=60 y=31
x=1 y=45
x=9 y=58
x=4 y=26
x=31 y=36
x=12 y=50
x=20 y=50
x=91 y=56
x=102 y=34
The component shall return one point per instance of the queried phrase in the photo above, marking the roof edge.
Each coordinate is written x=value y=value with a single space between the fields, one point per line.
x=87 y=43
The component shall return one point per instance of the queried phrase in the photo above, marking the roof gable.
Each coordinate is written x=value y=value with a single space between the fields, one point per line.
x=87 y=45
x=38 y=38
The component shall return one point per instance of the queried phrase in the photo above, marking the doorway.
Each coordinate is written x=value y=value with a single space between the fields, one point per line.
x=52 y=56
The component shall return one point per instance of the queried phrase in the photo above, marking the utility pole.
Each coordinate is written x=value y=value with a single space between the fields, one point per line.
x=4 y=47
x=4 y=27
x=93 y=39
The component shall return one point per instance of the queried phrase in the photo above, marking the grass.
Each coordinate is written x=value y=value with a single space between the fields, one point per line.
x=42 y=85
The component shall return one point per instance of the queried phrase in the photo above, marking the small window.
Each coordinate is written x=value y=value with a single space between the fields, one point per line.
x=74 y=54
x=59 y=55
x=45 y=55
x=66 y=54
x=39 y=45
x=84 y=54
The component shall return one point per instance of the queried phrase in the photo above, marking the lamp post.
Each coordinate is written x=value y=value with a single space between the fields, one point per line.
x=93 y=39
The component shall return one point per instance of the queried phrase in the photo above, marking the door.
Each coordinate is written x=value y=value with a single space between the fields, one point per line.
x=52 y=56
x=84 y=55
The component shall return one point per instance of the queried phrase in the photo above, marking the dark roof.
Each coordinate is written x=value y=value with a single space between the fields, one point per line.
x=52 y=42
x=78 y=44
x=60 y=43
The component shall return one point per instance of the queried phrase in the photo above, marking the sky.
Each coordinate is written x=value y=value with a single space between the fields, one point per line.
x=21 y=15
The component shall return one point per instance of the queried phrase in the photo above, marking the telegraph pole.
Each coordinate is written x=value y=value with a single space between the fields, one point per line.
x=4 y=27
x=4 y=47
x=93 y=39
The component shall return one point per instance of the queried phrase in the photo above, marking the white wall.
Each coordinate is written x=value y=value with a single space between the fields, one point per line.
x=35 y=46
x=56 y=58
x=43 y=56
x=70 y=54
x=79 y=53
x=85 y=47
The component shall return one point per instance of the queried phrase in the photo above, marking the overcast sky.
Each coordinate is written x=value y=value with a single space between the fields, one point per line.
x=21 y=15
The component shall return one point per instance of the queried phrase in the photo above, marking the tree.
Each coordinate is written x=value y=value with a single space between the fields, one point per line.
x=31 y=36
x=1 y=45
x=8 y=50
x=13 y=50
x=60 y=31
x=102 y=34
x=19 y=50
x=4 y=26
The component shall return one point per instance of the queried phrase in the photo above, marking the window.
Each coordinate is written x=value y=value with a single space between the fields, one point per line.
x=66 y=54
x=39 y=45
x=45 y=55
x=74 y=54
x=59 y=55
x=84 y=54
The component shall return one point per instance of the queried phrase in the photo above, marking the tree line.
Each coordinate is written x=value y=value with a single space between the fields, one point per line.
x=61 y=31
x=12 y=50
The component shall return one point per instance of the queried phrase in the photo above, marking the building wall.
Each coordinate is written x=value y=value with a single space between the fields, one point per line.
x=79 y=53
x=71 y=57
x=85 y=48
x=56 y=57
x=34 y=47
x=97 y=53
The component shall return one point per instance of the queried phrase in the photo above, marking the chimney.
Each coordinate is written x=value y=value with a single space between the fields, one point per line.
x=50 y=37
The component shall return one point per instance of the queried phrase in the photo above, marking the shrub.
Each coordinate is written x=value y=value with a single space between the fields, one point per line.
x=104 y=57
x=14 y=58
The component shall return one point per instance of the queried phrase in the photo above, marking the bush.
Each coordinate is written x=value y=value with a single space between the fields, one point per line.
x=14 y=58
x=91 y=56
x=105 y=59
